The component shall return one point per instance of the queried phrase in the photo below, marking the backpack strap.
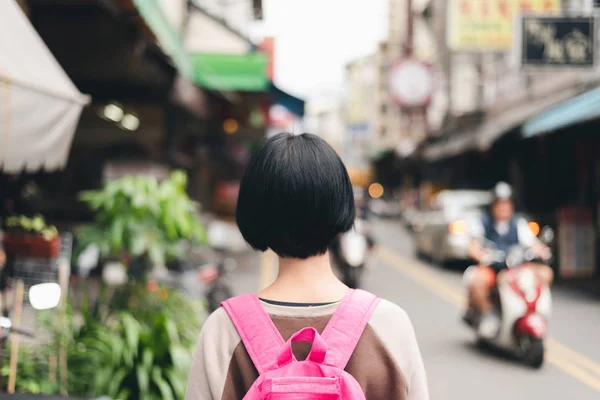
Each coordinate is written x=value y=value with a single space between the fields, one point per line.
x=260 y=336
x=346 y=326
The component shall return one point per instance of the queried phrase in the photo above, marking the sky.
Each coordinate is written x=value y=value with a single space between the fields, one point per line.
x=315 y=39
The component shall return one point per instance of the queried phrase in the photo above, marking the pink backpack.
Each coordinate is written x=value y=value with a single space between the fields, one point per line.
x=321 y=375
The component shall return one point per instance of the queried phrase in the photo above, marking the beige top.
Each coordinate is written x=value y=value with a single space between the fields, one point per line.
x=386 y=363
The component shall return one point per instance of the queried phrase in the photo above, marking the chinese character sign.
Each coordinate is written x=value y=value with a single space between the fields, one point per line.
x=487 y=25
x=550 y=41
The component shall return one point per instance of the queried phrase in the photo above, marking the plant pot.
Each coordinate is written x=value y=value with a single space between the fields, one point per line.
x=23 y=244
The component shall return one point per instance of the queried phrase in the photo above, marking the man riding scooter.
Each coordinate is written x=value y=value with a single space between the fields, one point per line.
x=501 y=227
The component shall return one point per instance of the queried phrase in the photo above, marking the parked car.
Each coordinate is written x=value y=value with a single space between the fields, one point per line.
x=385 y=208
x=441 y=232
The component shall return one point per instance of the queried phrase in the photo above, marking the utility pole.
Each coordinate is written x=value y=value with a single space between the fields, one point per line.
x=408 y=43
x=407 y=52
x=440 y=26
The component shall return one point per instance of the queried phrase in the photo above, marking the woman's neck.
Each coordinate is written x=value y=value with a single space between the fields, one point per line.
x=308 y=280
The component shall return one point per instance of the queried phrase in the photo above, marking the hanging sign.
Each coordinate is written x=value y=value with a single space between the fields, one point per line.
x=487 y=25
x=557 y=41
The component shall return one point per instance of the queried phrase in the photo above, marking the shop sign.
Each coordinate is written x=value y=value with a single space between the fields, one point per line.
x=557 y=41
x=476 y=25
x=411 y=83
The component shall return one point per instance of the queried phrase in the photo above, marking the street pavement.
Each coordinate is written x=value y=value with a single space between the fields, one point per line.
x=456 y=367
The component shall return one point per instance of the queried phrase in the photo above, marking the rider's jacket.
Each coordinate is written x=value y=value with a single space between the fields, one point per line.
x=505 y=240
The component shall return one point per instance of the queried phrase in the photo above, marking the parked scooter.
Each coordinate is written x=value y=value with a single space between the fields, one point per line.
x=350 y=252
x=208 y=265
x=521 y=302
x=213 y=275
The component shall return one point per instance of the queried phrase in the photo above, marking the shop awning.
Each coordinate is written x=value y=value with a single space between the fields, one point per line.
x=39 y=105
x=169 y=39
x=291 y=103
x=231 y=72
x=457 y=143
x=495 y=127
x=579 y=109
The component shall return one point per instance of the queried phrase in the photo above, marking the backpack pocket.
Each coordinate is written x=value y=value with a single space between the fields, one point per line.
x=304 y=388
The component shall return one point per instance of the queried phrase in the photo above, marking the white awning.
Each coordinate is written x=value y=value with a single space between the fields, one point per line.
x=39 y=105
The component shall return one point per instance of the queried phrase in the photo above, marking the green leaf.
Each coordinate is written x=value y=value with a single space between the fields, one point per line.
x=102 y=379
x=132 y=330
x=116 y=233
x=178 y=382
x=143 y=380
x=139 y=245
x=147 y=358
x=124 y=394
x=157 y=254
x=181 y=358
x=171 y=329
x=115 y=383
x=171 y=228
x=165 y=390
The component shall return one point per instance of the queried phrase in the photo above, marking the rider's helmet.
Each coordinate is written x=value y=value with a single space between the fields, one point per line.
x=502 y=191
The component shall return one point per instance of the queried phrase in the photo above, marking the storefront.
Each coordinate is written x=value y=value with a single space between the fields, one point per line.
x=243 y=123
x=40 y=108
x=134 y=66
x=564 y=179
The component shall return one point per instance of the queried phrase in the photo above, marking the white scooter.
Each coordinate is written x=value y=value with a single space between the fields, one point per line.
x=523 y=305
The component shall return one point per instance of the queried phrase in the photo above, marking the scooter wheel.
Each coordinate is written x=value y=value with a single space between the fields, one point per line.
x=532 y=352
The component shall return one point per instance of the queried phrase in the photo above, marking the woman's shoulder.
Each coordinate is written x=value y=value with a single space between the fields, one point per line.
x=394 y=329
x=390 y=317
x=219 y=333
x=218 y=321
x=389 y=321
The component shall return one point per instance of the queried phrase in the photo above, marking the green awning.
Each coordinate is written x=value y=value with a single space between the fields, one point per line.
x=231 y=72
x=582 y=108
x=170 y=40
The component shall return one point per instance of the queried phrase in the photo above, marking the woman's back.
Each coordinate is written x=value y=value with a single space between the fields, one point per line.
x=295 y=198
x=386 y=362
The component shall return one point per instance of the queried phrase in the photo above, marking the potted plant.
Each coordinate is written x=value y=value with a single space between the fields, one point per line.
x=30 y=237
x=142 y=221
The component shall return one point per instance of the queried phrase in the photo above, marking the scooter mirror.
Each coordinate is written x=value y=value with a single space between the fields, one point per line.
x=44 y=296
x=547 y=235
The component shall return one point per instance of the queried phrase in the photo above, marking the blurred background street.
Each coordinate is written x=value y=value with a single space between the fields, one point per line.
x=126 y=126
x=457 y=367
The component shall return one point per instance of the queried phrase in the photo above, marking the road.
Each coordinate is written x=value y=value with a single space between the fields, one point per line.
x=456 y=368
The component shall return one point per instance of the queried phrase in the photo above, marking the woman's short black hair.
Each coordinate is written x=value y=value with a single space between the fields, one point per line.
x=295 y=197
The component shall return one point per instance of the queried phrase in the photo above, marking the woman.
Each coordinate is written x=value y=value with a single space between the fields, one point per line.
x=295 y=198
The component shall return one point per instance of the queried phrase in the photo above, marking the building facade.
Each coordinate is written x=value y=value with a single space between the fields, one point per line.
x=360 y=111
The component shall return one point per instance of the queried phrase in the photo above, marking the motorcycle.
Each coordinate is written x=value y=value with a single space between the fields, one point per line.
x=521 y=302
x=350 y=253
